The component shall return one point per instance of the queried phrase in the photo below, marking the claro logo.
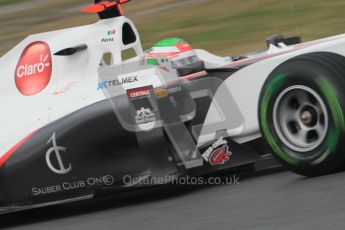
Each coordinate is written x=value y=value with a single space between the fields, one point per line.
x=34 y=69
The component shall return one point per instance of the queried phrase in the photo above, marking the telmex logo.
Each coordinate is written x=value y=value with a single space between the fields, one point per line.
x=34 y=69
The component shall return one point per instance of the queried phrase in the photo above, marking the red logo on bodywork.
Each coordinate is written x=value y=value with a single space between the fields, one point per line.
x=137 y=93
x=218 y=153
x=34 y=69
x=220 y=156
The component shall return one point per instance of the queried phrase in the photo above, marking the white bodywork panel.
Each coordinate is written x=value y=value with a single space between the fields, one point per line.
x=73 y=83
x=211 y=60
x=74 y=79
x=246 y=84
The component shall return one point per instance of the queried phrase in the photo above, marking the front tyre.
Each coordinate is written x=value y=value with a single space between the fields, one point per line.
x=301 y=113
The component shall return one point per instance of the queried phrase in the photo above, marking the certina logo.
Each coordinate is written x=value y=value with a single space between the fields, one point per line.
x=56 y=151
x=218 y=153
x=116 y=82
x=138 y=93
x=34 y=69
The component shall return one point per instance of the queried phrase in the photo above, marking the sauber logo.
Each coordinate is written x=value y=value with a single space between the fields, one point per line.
x=56 y=150
x=34 y=69
x=218 y=153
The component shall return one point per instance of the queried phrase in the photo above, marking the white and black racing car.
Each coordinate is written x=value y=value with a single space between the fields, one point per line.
x=78 y=117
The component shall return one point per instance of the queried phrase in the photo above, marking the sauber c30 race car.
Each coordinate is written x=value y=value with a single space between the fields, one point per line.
x=78 y=117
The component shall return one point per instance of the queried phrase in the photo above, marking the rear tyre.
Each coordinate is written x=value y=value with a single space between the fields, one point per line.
x=301 y=113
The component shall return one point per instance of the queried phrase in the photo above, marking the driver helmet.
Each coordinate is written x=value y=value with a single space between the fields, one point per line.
x=174 y=53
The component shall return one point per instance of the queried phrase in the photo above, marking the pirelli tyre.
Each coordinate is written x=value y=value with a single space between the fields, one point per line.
x=301 y=113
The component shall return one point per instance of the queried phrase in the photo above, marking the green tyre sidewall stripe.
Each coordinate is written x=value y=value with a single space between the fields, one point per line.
x=275 y=84
x=336 y=110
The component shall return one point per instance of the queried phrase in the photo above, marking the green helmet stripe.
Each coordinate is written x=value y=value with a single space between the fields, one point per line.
x=169 y=42
x=152 y=61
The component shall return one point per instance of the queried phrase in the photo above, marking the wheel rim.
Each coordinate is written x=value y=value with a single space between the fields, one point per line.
x=300 y=118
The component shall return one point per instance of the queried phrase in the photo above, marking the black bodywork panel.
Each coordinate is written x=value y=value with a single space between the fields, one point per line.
x=96 y=153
